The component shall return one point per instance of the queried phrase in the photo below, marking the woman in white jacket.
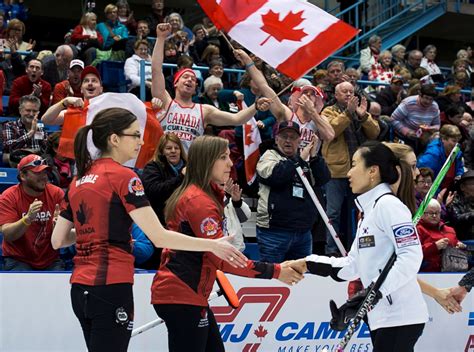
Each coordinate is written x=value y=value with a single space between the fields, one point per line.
x=398 y=319
x=132 y=69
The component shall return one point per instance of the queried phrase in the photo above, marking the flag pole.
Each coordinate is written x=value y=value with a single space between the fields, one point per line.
x=227 y=40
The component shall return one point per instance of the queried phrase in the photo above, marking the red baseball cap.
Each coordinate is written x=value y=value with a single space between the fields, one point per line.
x=32 y=162
x=181 y=72
x=90 y=69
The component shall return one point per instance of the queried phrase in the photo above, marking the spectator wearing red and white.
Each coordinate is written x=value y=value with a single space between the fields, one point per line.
x=307 y=121
x=369 y=55
x=382 y=71
x=306 y=105
x=417 y=115
x=91 y=87
x=185 y=83
x=71 y=87
x=428 y=62
x=30 y=84
x=85 y=35
x=27 y=218
x=435 y=236
x=398 y=55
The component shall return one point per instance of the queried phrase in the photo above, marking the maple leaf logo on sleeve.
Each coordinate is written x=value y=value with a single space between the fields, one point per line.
x=260 y=332
x=284 y=29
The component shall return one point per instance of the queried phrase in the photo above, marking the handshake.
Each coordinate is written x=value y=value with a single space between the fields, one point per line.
x=292 y=271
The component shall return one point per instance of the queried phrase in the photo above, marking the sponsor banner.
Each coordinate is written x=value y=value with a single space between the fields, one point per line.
x=271 y=317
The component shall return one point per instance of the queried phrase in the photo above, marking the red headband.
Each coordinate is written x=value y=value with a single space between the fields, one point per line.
x=181 y=72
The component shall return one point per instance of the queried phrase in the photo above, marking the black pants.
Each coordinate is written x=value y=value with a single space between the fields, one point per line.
x=397 y=338
x=190 y=328
x=101 y=312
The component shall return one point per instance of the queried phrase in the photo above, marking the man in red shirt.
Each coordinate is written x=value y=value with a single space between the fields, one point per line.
x=26 y=219
x=71 y=87
x=30 y=84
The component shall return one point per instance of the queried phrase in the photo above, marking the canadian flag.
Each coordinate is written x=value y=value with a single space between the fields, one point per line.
x=75 y=118
x=291 y=35
x=252 y=140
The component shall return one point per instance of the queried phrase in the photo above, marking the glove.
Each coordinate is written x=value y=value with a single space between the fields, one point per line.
x=342 y=316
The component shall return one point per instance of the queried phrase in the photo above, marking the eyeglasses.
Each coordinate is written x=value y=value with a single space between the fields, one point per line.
x=433 y=213
x=428 y=183
x=35 y=163
x=134 y=135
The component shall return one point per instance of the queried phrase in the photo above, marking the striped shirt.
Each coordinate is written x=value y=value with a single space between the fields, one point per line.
x=410 y=115
x=15 y=136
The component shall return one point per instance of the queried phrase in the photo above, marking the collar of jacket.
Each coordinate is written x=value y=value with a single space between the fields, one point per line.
x=366 y=201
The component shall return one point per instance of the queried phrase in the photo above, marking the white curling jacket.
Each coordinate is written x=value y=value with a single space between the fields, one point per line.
x=385 y=226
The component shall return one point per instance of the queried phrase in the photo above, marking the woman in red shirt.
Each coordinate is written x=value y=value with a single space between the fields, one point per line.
x=182 y=285
x=102 y=202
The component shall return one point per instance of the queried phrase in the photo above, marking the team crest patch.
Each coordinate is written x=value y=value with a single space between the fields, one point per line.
x=135 y=186
x=405 y=235
x=209 y=226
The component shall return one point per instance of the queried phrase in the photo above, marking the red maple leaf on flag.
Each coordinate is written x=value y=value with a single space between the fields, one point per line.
x=248 y=135
x=260 y=332
x=283 y=29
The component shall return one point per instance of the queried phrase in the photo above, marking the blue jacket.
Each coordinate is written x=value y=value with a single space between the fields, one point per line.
x=142 y=247
x=117 y=28
x=435 y=156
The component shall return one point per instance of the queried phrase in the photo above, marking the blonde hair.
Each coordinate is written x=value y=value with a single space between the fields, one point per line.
x=109 y=8
x=168 y=137
x=86 y=18
x=202 y=154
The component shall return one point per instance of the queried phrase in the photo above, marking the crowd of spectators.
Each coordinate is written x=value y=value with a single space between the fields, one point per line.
x=412 y=101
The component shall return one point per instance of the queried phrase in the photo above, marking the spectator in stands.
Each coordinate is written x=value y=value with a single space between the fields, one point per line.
x=115 y=34
x=16 y=30
x=170 y=52
x=157 y=14
x=216 y=68
x=461 y=210
x=125 y=16
x=30 y=83
x=91 y=87
x=24 y=133
x=414 y=61
x=12 y=65
x=335 y=75
x=417 y=118
x=185 y=84
x=27 y=219
x=369 y=56
x=143 y=30
x=451 y=96
x=55 y=68
x=86 y=38
x=398 y=55
x=382 y=71
x=428 y=62
x=375 y=110
x=71 y=87
x=177 y=24
x=200 y=42
x=212 y=86
x=182 y=42
x=435 y=236
x=460 y=79
x=285 y=212
x=352 y=125
x=132 y=69
x=352 y=76
x=61 y=169
x=437 y=152
x=455 y=115
x=211 y=53
x=390 y=97
x=320 y=79
x=14 y=10
x=423 y=183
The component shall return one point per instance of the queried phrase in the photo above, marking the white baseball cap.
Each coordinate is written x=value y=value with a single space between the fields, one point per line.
x=76 y=62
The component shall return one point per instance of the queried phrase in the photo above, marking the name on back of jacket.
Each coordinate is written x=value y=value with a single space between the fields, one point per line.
x=91 y=178
x=184 y=119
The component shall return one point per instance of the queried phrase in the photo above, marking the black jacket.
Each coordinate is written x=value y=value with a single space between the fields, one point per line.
x=160 y=181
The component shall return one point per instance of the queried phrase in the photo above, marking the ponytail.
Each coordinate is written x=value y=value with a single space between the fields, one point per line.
x=81 y=153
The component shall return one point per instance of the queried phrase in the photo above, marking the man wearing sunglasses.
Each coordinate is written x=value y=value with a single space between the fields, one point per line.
x=27 y=218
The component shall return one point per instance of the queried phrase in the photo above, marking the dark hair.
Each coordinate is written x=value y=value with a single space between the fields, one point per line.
x=377 y=154
x=106 y=122
x=184 y=61
x=429 y=90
